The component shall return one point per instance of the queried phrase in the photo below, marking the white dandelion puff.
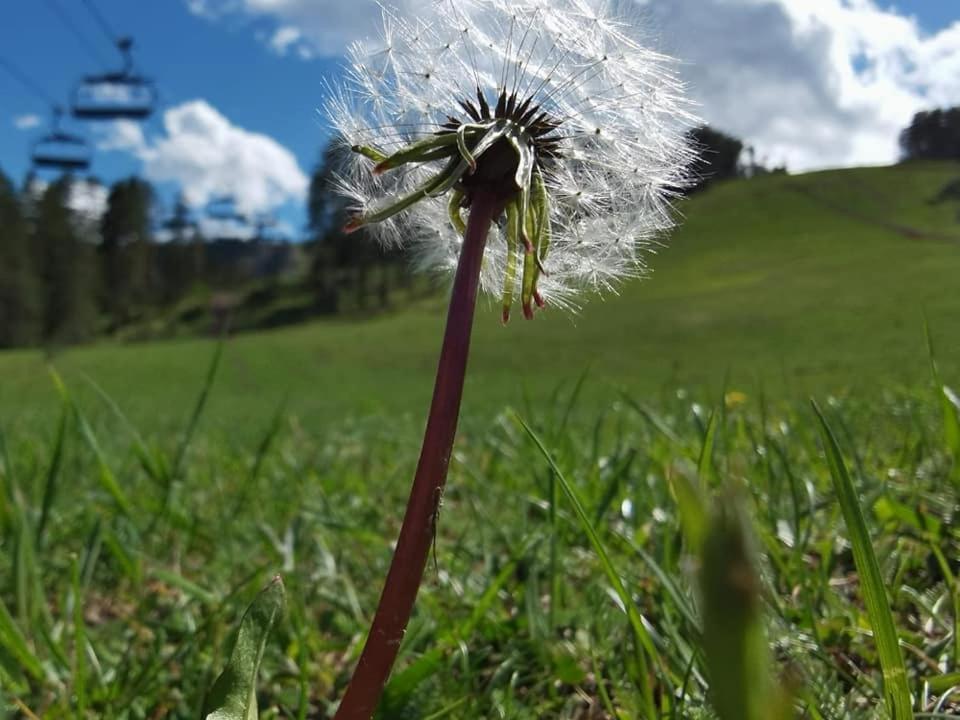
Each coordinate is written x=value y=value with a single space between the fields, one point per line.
x=558 y=101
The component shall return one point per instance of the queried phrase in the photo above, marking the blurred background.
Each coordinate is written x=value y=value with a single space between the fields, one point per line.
x=163 y=180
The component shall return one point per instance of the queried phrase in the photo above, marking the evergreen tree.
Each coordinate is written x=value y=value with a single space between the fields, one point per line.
x=719 y=155
x=19 y=285
x=181 y=260
x=65 y=268
x=325 y=211
x=933 y=135
x=342 y=261
x=126 y=253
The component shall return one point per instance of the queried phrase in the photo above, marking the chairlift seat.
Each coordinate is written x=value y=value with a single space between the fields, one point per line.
x=114 y=96
x=60 y=150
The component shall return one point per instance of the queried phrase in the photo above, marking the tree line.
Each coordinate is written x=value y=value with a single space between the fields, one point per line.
x=67 y=276
x=932 y=135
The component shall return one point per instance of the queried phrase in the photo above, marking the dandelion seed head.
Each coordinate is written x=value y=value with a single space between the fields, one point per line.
x=598 y=118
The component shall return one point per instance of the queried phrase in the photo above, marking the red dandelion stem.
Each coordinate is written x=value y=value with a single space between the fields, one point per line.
x=419 y=522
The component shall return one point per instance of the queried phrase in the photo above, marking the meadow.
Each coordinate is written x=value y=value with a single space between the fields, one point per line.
x=150 y=491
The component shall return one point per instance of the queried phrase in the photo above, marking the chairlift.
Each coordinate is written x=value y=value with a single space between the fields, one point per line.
x=60 y=150
x=224 y=207
x=224 y=221
x=179 y=226
x=267 y=228
x=121 y=95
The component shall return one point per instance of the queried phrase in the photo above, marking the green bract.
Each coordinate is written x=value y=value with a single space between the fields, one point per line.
x=474 y=154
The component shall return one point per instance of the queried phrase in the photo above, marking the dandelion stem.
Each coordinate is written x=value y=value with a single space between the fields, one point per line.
x=419 y=522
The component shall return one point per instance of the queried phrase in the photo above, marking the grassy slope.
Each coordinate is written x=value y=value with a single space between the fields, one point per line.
x=151 y=568
x=789 y=283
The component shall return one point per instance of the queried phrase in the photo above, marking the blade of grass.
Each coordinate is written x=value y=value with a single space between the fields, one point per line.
x=734 y=642
x=15 y=655
x=954 y=585
x=172 y=474
x=641 y=635
x=53 y=474
x=949 y=407
x=403 y=683
x=941 y=683
x=149 y=461
x=572 y=400
x=655 y=421
x=107 y=479
x=895 y=689
x=197 y=410
x=705 y=461
x=950 y=404
x=79 y=671
x=262 y=450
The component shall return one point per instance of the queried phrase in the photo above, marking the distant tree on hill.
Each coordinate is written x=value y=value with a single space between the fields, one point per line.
x=933 y=135
x=126 y=253
x=181 y=260
x=340 y=261
x=66 y=268
x=719 y=155
x=20 y=299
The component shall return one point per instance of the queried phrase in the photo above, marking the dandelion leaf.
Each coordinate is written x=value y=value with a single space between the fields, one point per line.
x=234 y=694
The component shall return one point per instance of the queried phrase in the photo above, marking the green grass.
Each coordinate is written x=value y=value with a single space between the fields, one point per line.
x=763 y=285
x=587 y=555
x=129 y=609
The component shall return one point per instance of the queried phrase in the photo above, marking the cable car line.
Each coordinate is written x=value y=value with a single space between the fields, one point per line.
x=56 y=149
x=101 y=21
x=80 y=37
x=26 y=82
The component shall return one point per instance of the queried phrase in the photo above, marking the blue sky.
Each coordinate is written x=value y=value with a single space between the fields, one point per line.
x=251 y=73
x=932 y=14
x=189 y=57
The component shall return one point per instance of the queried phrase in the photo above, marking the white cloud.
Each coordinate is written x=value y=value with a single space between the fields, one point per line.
x=88 y=198
x=208 y=157
x=285 y=37
x=813 y=83
x=307 y=27
x=26 y=122
x=121 y=135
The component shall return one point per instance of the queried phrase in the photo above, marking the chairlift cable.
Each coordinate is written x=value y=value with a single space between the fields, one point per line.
x=54 y=5
x=26 y=82
x=101 y=21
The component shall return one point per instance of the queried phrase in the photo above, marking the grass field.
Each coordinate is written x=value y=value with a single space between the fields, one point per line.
x=140 y=516
x=766 y=284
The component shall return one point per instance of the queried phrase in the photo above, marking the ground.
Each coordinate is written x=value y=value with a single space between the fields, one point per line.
x=140 y=516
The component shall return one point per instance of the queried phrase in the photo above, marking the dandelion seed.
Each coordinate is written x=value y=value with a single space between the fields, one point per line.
x=555 y=104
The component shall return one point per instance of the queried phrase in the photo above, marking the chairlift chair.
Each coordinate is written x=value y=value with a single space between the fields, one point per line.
x=120 y=95
x=268 y=228
x=60 y=150
x=224 y=207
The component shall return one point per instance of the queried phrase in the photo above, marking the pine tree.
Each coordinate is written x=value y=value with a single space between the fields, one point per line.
x=933 y=135
x=126 y=253
x=19 y=284
x=65 y=267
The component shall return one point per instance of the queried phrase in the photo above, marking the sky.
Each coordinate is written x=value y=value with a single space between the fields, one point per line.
x=808 y=83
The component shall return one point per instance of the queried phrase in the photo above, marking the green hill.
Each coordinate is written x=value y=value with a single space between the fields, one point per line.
x=783 y=283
